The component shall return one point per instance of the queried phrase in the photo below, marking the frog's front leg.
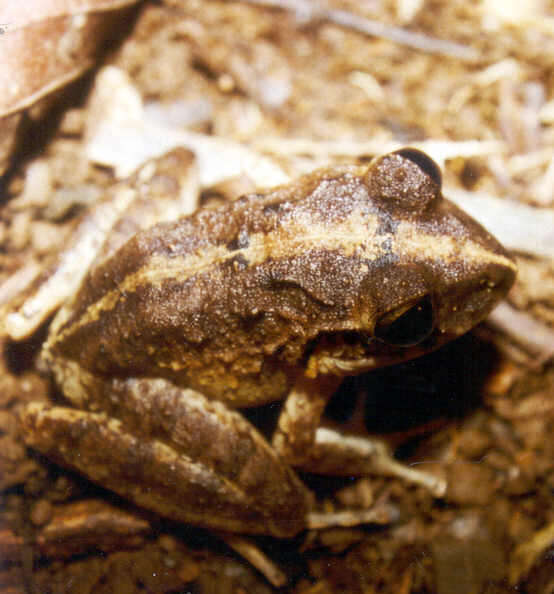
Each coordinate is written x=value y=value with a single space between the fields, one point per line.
x=173 y=451
x=304 y=444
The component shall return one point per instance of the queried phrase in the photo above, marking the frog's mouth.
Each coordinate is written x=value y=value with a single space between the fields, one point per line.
x=406 y=332
x=352 y=353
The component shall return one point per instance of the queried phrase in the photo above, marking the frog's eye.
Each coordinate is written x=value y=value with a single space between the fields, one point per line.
x=406 y=327
x=424 y=162
x=407 y=181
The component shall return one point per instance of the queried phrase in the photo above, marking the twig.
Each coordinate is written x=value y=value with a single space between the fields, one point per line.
x=518 y=226
x=535 y=337
x=19 y=281
x=439 y=150
x=526 y=554
x=247 y=549
x=308 y=11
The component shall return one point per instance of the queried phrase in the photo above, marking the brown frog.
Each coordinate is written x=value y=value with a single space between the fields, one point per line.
x=277 y=295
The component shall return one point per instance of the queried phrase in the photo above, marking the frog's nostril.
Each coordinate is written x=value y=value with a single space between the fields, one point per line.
x=499 y=279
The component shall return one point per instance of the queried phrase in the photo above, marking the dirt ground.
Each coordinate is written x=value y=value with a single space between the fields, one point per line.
x=300 y=85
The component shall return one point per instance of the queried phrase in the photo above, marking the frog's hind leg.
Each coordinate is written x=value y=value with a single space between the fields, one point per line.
x=303 y=443
x=176 y=453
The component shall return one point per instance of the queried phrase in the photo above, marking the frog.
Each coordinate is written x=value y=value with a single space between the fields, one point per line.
x=274 y=297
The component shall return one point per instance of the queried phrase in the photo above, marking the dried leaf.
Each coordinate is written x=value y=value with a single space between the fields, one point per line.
x=46 y=45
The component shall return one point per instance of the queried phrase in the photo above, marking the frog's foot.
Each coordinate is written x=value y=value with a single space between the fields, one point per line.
x=334 y=453
x=300 y=441
x=379 y=514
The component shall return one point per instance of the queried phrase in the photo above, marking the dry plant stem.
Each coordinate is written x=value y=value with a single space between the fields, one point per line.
x=19 y=281
x=438 y=150
x=121 y=135
x=69 y=269
x=312 y=12
x=515 y=353
x=525 y=555
x=519 y=227
x=401 y=36
x=125 y=208
x=535 y=337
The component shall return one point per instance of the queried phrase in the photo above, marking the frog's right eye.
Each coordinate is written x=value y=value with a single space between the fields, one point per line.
x=405 y=327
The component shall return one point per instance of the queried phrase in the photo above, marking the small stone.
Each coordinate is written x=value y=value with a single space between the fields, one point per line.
x=358 y=495
x=73 y=122
x=46 y=237
x=167 y=543
x=188 y=570
x=473 y=443
x=470 y=483
x=41 y=513
x=8 y=424
x=19 y=232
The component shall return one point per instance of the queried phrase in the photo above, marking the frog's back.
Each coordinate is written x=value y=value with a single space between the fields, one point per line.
x=229 y=300
x=234 y=292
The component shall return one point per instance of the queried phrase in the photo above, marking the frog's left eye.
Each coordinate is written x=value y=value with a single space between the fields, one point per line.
x=425 y=163
x=407 y=181
x=406 y=327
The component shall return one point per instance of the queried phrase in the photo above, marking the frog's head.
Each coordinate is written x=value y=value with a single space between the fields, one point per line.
x=441 y=272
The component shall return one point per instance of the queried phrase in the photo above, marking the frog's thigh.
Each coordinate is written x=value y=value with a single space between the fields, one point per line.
x=304 y=444
x=172 y=451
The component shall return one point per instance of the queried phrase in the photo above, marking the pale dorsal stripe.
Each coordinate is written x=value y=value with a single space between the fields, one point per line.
x=347 y=237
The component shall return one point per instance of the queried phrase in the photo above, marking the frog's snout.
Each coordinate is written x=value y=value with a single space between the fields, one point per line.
x=471 y=301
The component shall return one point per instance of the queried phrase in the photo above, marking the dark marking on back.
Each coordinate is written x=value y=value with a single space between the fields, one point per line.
x=240 y=242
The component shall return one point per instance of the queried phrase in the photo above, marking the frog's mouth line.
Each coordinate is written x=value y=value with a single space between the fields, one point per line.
x=387 y=354
x=351 y=353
